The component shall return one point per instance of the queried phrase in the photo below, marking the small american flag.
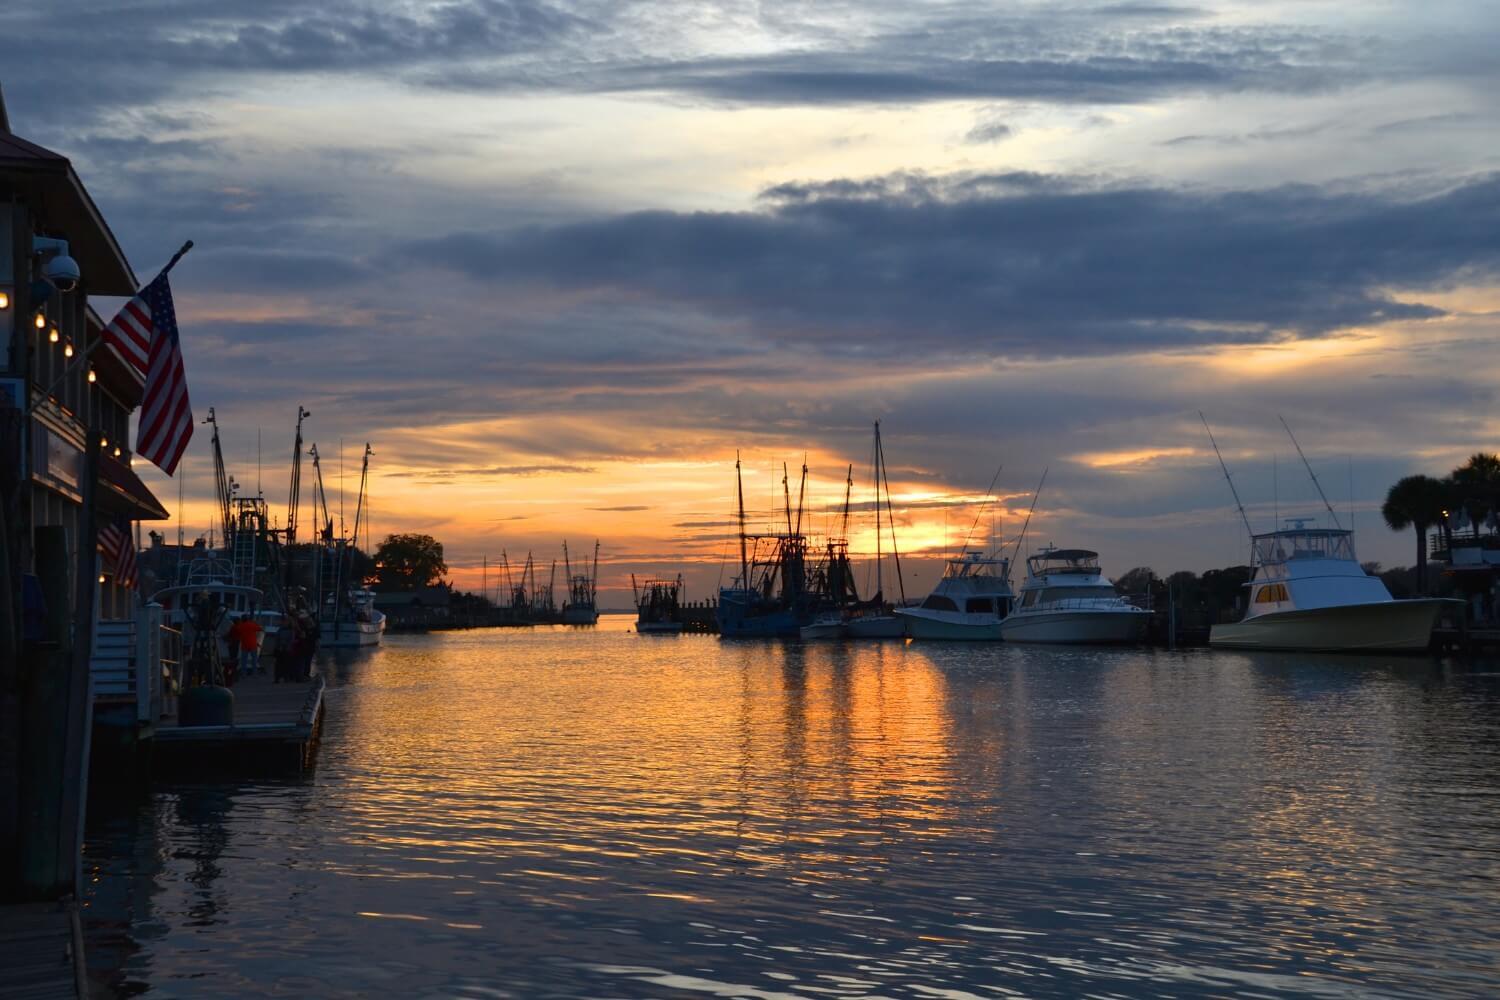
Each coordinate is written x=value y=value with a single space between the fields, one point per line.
x=145 y=333
x=119 y=553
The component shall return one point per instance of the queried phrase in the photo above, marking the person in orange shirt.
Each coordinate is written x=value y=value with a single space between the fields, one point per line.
x=247 y=631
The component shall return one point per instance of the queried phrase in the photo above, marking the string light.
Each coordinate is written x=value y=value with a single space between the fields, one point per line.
x=117 y=451
x=4 y=300
x=68 y=349
x=101 y=577
x=54 y=336
x=41 y=321
x=92 y=376
x=104 y=442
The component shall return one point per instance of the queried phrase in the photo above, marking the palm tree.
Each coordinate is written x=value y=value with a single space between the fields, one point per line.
x=1477 y=485
x=1416 y=502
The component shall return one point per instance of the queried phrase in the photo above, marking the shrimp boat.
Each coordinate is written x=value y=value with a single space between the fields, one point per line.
x=968 y=603
x=1310 y=593
x=347 y=614
x=582 y=605
x=1065 y=599
x=656 y=606
x=770 y=597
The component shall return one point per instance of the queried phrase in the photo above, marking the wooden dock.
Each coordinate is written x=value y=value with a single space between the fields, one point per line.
x=41 y=952
x=274 y=724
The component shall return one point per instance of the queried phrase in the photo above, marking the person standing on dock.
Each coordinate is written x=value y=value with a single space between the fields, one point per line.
x=247 y=632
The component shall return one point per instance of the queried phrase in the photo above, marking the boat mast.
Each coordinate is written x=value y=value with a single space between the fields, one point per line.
x=740 y=488
x=1230 y=480
x=567 y=567
x=889 y=512
x=294 y=490
x=988 y=499
x=222 y=486
x=787 y=492
x=1311 y=474
x=875 y=471
x=801 y=492
x=594 y=577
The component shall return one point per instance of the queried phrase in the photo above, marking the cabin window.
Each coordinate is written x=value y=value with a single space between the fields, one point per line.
x=1030 y=598
x=979 y=606
x=937 y=602
x=1271 y=593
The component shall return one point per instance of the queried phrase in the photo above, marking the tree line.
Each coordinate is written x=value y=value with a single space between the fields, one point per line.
x=1426 y=502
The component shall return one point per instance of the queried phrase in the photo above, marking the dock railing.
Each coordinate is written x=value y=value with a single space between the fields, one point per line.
x=138 y=660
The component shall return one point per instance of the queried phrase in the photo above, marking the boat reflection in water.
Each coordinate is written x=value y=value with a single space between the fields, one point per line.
x=581 y=813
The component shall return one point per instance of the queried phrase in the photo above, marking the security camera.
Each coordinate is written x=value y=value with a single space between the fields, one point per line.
x=61 y=272
x=58 y=270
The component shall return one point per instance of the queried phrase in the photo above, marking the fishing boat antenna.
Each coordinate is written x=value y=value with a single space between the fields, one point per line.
x=1311 y=474
x=1228 y=479
x=1027 y=524
x=988 y=498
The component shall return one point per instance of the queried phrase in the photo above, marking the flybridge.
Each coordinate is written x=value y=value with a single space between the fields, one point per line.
x=1302 y=542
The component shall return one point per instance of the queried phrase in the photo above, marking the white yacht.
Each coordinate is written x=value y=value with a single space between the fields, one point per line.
x=1310 y=593
x=1066 y=599
x=357 y=623
x=968 y=602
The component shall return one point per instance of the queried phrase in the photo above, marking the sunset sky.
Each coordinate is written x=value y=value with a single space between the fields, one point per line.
x=557 y=262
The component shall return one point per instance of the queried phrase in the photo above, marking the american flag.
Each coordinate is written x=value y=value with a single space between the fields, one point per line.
x=119 y=553
x=145 y=333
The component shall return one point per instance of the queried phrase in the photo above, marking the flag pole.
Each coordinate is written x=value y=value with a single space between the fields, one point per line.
x=83 y=355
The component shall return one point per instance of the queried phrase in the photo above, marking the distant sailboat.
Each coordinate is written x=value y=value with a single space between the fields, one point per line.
x=877 y=619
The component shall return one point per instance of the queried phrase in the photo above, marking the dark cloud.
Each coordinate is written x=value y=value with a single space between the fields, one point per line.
x=492 y=470
x=1016 y=264
x=988 y=130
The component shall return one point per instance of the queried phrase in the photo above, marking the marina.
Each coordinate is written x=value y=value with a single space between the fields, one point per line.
x=771 y=818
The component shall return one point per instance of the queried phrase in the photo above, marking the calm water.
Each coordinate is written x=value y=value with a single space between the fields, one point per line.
x=600 y=814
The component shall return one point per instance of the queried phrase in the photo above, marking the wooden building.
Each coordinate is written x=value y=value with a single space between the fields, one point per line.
x=65 y=472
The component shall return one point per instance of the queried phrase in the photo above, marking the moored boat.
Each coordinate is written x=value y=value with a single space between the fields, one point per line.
x=1310 y=593
x=968 y=603
x=1065 y=599
x=657 y=603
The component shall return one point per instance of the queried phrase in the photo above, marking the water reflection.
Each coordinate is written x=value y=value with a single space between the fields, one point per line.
x=595 y=813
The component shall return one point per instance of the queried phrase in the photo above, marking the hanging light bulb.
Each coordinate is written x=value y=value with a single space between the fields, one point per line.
x=4 y=300
x=53 y=335
x=117 y=451
x=104 y=442
x=41 y=321
x=92 y=376
x=101 y=577
x=68 y=349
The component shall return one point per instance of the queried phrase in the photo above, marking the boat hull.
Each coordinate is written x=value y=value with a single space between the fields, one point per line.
x=1077 y=627
x=876 y=627
x=1389 y=626
x=736 y=620
x=576 y=615
x=921 y=626
x=351 y=634
x=822 y=630
x=658 y=628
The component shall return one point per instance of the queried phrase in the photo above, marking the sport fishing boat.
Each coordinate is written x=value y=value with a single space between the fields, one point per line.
x=211 y=578
x=968 y=603
x=1310 y=593
x=1065 y=599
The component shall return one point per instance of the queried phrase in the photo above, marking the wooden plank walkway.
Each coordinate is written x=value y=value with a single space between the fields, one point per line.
x=272 y=722
x=41 y=952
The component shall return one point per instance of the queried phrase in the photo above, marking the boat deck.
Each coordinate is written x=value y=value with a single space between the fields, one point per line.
x=41 y=952
x=275 y=723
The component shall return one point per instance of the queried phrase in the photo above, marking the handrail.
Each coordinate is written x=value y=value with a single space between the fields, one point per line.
x=1078 y=603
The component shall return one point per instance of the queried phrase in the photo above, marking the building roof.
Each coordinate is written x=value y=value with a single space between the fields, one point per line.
x=65 y=210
